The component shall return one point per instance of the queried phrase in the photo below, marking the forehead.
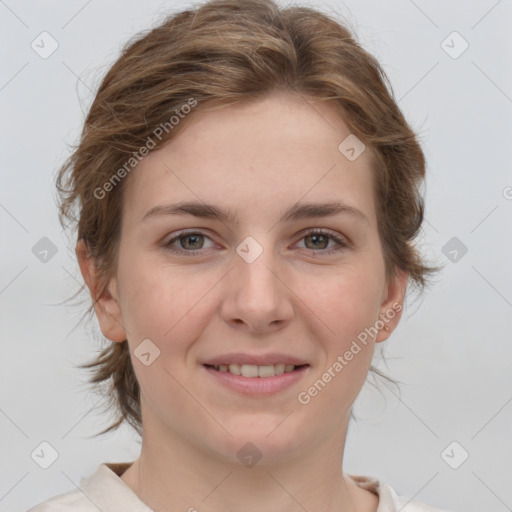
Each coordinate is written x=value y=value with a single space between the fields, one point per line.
x=276 y=150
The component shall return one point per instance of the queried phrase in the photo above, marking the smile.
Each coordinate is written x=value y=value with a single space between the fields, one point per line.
x=256 y=380
x=252 y=370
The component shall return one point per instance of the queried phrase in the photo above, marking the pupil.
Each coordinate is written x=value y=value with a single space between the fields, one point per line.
x=188 y=238
x=316 y=238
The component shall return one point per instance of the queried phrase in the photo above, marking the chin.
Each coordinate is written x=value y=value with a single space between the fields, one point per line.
x=259 y=439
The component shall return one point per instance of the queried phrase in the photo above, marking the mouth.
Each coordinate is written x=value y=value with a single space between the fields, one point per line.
x=256 y=380
x=252 y=370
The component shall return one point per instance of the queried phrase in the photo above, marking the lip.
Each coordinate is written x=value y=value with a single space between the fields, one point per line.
x=255 y=359
x=257 y=386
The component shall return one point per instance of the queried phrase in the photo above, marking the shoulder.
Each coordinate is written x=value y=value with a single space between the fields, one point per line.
x=103 y=490
x=73 y=500
x=389 y=500
x=403 y=503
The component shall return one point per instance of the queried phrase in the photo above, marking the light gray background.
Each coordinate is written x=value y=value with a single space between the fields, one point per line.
x=452 y=350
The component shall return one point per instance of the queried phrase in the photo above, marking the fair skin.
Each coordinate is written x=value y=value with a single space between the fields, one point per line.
x=296 y=298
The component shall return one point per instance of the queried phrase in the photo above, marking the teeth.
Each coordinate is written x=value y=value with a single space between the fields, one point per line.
x=281 y=368
x=267 y=371
x=234 y=369
x=249 y=370
x=252 y=370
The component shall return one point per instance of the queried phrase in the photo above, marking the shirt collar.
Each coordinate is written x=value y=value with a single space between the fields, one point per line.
x=105 y=489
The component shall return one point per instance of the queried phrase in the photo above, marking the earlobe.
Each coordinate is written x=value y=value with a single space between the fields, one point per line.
x=392 y=305
x=105 y=298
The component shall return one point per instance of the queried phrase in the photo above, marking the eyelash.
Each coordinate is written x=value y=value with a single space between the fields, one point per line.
x=342 y=243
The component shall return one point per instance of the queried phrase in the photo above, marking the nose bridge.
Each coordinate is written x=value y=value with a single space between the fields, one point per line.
x=254 y=267
x=256 y=294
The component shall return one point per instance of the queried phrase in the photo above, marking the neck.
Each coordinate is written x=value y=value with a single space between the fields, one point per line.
x=179 y=475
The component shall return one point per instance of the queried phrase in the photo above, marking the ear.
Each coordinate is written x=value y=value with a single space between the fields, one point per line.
x=392 y=305
x=106 y=304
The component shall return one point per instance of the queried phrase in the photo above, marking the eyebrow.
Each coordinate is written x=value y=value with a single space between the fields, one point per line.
x=297 y=212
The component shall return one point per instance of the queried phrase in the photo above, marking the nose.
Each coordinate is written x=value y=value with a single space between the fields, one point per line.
x=256 y=296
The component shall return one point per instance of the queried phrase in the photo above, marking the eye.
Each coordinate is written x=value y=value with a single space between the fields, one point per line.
x=318 y=240
x=190 y=242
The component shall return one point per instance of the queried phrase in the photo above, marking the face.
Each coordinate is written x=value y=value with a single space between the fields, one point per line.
x=271 y=276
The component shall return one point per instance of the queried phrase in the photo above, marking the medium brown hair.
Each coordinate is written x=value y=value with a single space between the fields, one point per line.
x=221 y=53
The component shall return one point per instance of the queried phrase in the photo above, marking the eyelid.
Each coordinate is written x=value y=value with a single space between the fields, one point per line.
x=341 y=241
x=190 y=231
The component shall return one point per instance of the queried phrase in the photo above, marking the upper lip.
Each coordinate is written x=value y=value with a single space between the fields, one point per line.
x=259 y=360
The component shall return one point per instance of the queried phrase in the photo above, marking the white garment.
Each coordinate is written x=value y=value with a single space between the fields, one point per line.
x=105 y=491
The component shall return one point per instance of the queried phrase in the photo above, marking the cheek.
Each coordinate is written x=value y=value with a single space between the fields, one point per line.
x=348 y=308
x=347 y=302
x=166 y=305
x=170 y=308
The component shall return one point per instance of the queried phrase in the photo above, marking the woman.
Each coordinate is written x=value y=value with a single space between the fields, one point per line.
x=247 y=194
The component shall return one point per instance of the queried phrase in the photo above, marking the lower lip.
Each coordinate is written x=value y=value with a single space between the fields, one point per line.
x=257 y=385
